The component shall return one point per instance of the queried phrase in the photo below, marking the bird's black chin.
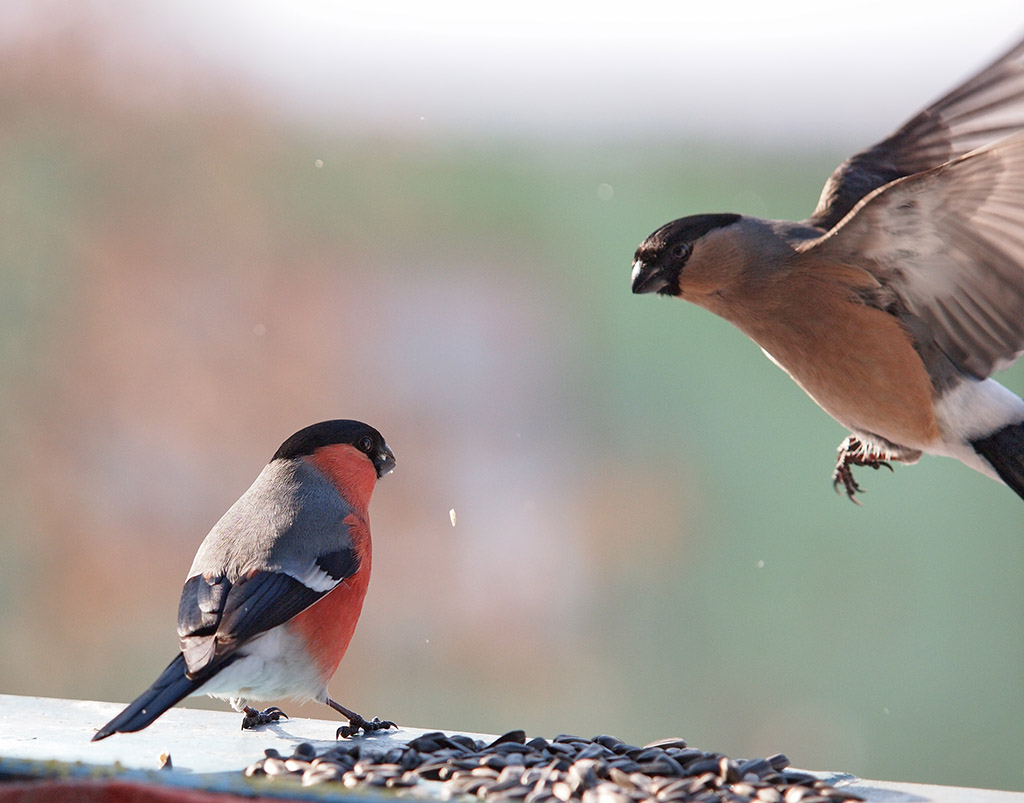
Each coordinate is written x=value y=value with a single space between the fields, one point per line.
x=653 y=279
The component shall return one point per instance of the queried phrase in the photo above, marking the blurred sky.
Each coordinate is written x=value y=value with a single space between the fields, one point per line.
x=789 y=71
x=226 y=220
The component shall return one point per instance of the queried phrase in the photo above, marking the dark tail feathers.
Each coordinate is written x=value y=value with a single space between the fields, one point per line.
x=1004 y=449
x=173 y=685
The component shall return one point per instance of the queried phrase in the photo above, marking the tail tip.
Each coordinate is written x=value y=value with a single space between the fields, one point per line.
x=1004 y=451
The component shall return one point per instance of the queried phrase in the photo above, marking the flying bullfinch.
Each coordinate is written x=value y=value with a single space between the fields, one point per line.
x=902 y=292
x=275 y=590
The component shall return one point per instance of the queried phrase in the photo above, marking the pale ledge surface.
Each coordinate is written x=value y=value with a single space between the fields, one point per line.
x=47 y=737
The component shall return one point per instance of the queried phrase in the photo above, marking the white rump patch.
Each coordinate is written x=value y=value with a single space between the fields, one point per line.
x=970 y=411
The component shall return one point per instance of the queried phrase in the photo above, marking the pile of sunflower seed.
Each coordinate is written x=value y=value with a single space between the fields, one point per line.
x=567 y=768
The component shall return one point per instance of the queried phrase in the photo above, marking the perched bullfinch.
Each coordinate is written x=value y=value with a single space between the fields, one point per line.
x=902 y=292
x=275 y=590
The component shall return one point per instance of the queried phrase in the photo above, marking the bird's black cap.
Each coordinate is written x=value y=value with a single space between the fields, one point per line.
x=685 y=229
x=660 y=258
x=328 y=433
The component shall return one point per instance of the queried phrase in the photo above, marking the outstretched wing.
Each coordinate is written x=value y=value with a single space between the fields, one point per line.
x=217 y=616
x=949 y=243
x=985 y=108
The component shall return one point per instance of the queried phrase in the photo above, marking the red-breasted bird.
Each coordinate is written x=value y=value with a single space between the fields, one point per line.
x=902 y=292
x=275 y=590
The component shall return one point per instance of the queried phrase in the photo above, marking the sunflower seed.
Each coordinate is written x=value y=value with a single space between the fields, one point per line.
x=702 y=765
x=566 y=769
x=757 y=766
x=606 y=793
x=672 y=788
x=664 y=744
x=611 y=742
x=321 y=773
x=274 y=766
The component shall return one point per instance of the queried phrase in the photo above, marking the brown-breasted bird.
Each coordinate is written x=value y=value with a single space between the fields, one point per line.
x=275 y=590
x=896 y=299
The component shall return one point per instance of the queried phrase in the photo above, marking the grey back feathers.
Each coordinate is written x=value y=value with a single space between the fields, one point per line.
x=289 y=516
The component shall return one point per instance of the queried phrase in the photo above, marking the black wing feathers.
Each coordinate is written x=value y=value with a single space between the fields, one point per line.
x=216 y=617
x=339 y=565
x=201 y=604
x=263 y=601
x=248 y=607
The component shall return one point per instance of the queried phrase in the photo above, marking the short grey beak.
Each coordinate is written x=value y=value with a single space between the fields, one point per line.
x=385 y=461
x=646 y=278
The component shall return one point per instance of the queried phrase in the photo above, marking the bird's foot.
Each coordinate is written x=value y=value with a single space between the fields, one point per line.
x=357 y=723
x=254 y=718
x=852 y=452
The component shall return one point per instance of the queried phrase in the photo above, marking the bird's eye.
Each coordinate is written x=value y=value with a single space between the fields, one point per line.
x=681 y=251
x=366 y=444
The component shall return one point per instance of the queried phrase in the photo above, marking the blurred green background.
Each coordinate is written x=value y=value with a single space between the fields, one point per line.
x=647 y=543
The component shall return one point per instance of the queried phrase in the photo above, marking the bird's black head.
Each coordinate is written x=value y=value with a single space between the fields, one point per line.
x=660 y=259
x=328 y=433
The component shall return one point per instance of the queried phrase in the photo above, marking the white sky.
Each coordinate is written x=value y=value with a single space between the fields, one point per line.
x=782 y=70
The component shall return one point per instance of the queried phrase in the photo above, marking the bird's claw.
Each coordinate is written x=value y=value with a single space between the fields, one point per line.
x=844 y=475
x=852 y=452
x=254 y=718
x=357 y=723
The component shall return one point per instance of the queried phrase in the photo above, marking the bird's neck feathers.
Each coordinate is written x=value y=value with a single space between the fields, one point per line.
x=349 y=470
x=726 y=263
x=745 y=269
